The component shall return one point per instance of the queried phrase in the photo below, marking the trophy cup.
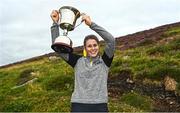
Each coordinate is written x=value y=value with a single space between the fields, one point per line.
x=68 y=18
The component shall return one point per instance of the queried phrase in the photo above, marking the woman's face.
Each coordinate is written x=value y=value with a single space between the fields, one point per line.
x=92 y=48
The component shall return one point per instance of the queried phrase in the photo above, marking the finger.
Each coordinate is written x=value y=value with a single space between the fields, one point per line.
x=53 y=14
x=56 y=11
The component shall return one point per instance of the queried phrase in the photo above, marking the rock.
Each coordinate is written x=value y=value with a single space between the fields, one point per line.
x=128 y=80
x=35 y=73
x=125 y=57
x=170 y=84
x=52 y=58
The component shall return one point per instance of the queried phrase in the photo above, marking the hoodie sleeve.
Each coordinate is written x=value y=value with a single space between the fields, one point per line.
x=109 y=40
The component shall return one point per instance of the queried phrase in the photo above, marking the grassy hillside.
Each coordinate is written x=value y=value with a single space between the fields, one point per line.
x=46 y=85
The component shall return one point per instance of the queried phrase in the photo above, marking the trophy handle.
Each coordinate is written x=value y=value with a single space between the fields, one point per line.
x=81 y=20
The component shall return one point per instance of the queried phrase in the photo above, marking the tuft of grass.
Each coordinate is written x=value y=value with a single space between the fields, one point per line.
x=59 y=83
x=146 y=42
x=173 y=45
x=158 y=50
x=172 y=31
x=137 y=101
x=18 y=105
x=115 y=105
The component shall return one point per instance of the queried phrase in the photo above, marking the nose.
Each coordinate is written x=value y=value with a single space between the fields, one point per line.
x=93 y=47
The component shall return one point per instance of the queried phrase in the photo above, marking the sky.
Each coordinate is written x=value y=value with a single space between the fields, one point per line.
x=25 y=24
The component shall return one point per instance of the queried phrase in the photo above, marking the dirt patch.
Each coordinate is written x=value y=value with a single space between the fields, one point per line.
x=163 y=101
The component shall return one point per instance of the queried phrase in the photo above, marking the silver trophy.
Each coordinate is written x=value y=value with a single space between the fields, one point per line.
x=69 y=15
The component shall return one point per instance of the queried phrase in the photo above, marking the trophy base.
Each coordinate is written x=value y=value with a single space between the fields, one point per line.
x=62 y=44
x=62 y=48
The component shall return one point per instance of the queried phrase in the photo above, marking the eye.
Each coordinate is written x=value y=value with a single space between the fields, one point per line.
x=95 y=45
x=89 y=46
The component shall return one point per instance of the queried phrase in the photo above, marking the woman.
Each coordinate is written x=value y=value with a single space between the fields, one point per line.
x=91 y=71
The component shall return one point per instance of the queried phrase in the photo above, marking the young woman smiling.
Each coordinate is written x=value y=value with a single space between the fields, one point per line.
x=91 y=70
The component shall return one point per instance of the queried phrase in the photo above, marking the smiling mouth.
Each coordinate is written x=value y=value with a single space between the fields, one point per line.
x=93 y=52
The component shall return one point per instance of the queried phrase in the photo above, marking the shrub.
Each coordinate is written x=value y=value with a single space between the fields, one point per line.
x=24 y=76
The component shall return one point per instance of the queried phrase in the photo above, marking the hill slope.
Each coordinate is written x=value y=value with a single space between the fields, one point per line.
x=122 y=43
x=136 y=78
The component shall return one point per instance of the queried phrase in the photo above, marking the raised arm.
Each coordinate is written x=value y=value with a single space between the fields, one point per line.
x=108 y=38
x=70 y=58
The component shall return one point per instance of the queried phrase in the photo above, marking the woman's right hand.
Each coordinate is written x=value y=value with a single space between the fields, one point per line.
x=86 y=19
x=55 y=16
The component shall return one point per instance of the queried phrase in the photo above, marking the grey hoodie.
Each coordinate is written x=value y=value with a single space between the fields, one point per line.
x=90 y=79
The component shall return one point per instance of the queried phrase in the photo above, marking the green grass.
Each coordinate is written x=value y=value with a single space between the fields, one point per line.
x=52 y=90
x=137 y=101
x=116 y=105
x=153 y=61
x=172 y=31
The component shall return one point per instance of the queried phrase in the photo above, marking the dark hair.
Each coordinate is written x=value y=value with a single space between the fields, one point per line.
x=90 y=37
